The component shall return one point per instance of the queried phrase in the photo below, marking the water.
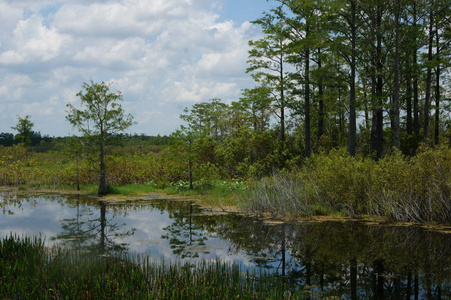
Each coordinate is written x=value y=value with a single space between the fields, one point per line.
x=349 y=259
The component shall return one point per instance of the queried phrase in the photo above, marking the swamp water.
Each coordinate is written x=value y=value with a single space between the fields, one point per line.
x=348 y=259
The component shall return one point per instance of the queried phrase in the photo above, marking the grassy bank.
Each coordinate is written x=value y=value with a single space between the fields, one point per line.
x=30 y=271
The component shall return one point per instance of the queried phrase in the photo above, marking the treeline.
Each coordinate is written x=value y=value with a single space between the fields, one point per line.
x=369 y=75
x=45 y=142
x=9 y=139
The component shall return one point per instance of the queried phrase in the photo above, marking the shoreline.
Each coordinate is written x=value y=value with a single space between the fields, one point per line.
x=220 y=209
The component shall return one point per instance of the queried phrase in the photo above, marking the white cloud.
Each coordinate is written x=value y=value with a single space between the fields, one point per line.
x=11 y=58
x=119 y=19
x=163 y=55
x=31 y=41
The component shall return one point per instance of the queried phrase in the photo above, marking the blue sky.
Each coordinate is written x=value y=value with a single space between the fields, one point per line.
x=164 y=55
x=246 y=10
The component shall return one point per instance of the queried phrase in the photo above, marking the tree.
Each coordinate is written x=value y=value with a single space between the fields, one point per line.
x=258 y=103
x=23 y=128
x=208 y=118
x=308 y=23
x=302 y=45
x=345 y=29
x=267 y=59
x=185 y=137
x=205 y=128
x=99 y=118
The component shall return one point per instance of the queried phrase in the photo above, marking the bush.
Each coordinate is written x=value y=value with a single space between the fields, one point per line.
x=396 y=187
x=413 y=189
x=338 y=181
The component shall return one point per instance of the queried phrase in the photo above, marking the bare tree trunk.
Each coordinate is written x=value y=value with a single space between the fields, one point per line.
x=416 y=106
x=190 y=165
x=352 y=141
x=416 y=102
x=282 y=114
x=437 y=94
x=427 y=100
x=320 y=101
x=396 y=88
x=308 y=148
x=78 y=174
x=103 y=187
x=409 y=121
x=377 y=128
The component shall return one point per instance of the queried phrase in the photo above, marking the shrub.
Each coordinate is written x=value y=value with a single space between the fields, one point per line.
x=337 y=180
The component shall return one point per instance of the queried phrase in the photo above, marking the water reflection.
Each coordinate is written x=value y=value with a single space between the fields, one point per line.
x=330 y=258
x=86 y=231
x=186 y=239
x=351 y=258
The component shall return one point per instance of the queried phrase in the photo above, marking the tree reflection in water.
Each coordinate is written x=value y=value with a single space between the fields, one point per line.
x=186 y=239
x=351 y=258
x=85 y=231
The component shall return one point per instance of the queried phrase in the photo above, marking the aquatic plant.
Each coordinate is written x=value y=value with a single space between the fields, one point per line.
x=31 y=271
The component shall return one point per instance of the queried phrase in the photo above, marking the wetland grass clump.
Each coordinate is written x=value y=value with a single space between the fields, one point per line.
x=396 y=187
x=28 y=270
x=281 y=195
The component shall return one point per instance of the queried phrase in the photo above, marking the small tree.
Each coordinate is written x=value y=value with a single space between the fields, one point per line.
x=23 y=128
x=184 y=140
x=99 y=118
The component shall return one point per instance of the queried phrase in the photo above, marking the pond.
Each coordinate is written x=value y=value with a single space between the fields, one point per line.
x=349 y=259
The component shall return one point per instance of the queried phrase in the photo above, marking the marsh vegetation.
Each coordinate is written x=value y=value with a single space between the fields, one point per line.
x=396 y=187
x=170 y=249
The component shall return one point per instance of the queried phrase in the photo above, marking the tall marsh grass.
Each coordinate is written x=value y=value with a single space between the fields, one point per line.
x=282 y=195
x=30 y=271
x=398 y=188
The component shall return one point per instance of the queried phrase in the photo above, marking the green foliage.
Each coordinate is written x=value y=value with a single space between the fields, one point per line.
x=399 y=188
x=421 y=191
x=23 y=128
x=101 y=114
x=247 y=153
x=337 y=180
x=100 y=118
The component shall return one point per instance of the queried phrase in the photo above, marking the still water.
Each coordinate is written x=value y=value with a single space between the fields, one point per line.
x=349 y=259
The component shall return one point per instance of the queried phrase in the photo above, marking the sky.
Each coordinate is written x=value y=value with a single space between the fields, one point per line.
x=163 y=55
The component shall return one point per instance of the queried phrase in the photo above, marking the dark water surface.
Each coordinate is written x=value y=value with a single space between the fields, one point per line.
x=349 y=259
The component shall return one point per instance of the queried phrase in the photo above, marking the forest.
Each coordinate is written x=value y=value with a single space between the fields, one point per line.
x=350 y=114
x=371 y=75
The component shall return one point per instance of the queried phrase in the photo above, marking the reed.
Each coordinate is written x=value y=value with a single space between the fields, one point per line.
x=30 y=271
x=282 y=195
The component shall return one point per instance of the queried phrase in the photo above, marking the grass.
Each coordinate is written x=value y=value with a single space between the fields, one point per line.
x=133 y=189
x=30 y=271
x=219 y=193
